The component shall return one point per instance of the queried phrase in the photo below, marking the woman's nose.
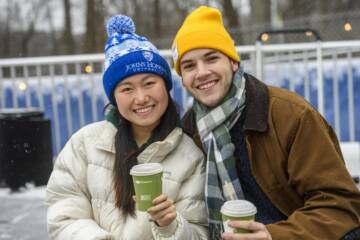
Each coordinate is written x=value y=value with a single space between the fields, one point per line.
x=141 y=97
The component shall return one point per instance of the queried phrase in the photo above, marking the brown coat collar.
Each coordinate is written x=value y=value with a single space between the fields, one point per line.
x=257 y=105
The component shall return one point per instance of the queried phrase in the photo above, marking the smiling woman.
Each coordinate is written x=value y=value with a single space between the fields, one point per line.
x=90 y=192
x=142 y=99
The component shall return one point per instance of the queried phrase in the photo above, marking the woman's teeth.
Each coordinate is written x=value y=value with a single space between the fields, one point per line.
x=142 y=110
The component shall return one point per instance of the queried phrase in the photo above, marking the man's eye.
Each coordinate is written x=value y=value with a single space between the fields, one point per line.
x=188 y=66
x=213 y=58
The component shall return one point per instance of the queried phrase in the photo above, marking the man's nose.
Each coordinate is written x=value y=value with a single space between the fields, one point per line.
x=202 y=71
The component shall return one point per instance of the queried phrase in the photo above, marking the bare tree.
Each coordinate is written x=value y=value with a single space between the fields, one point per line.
x=137 y=14
x=68 y=39
x=296 y=8
x=33 y=14
x=6 y=33
x=115 y=7
x=52 y=32
x=157 y=18
x=90 y=34
x=260 y=11
x=180 y=9
x=230 y=13
x=233 y=22
x=100 y=25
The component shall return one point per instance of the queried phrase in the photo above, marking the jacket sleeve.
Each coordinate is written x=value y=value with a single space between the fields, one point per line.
x=179 y=229
x=316 y=171
x=191 y=220
x=69 y=213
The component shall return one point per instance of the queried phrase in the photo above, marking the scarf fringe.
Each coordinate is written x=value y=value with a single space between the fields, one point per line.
x=215 y=231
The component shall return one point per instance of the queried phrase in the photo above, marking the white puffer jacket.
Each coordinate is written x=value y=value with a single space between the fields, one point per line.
x=81 y=200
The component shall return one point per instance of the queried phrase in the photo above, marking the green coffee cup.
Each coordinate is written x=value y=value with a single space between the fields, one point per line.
x=147 y=179
x=237 y=210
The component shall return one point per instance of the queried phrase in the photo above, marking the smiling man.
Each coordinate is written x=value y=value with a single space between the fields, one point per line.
x=271 y=145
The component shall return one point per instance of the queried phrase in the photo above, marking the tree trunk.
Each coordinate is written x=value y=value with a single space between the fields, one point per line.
x=137 y=15
x=100 y=26
x=68 y=39
x=182 y=11
x=26 y=37
x=233 y=23
x=230 y=14
x=260 y=11
x=5 y=40
x=54 y=46
x=157 y=19
x=29 y=33
x=260 y=18
x=90 y=34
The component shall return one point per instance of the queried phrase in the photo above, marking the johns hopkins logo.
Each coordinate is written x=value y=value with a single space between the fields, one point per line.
x=148 y=55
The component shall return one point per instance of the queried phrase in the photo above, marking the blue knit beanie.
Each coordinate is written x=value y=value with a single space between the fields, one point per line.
x=127 y=53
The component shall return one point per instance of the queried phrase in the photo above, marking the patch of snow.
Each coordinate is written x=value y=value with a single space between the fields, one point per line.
x=27 y=192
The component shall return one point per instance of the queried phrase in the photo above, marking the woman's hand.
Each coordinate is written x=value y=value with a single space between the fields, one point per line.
x=163 y=212
x=258 y=231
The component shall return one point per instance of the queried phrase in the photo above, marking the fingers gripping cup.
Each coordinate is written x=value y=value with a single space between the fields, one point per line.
x=237 y=210
x=147 y=179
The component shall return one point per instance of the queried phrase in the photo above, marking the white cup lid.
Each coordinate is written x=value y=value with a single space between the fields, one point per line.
x=146 y=169
x=238 y=208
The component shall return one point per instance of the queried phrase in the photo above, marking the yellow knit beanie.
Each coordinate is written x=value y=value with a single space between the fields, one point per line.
x=203 y=28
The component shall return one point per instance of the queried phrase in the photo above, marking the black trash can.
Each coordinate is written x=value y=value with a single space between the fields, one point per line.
x=25 y=147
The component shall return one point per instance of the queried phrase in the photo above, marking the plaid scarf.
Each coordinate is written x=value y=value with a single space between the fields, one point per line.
x=222 y=182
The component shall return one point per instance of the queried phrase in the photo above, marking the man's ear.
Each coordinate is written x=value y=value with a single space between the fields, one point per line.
x=234 y=65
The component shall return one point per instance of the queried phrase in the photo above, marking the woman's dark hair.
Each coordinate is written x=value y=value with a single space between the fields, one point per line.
x=126 y=152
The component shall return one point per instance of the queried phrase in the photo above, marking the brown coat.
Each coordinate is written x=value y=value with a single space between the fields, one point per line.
x=296 y=160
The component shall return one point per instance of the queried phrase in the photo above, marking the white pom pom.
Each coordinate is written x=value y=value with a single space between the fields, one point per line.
x=120 y=24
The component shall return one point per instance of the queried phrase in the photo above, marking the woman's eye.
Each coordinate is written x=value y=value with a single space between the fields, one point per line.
x=150 y=83
x=126 y=89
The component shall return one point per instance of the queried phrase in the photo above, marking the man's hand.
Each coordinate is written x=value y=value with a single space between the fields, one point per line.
x=164 y=211
x=258 y=231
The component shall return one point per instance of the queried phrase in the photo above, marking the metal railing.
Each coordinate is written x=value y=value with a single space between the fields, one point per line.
x=341 y=59
x=69 y=88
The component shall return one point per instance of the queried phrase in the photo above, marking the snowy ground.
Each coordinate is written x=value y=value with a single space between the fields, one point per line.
x=23 y=214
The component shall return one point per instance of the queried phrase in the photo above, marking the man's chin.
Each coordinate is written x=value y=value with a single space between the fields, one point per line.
x=210 y=103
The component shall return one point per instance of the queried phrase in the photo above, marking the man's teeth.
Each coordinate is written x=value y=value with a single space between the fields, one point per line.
x=142 y=110
x=207 y=85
